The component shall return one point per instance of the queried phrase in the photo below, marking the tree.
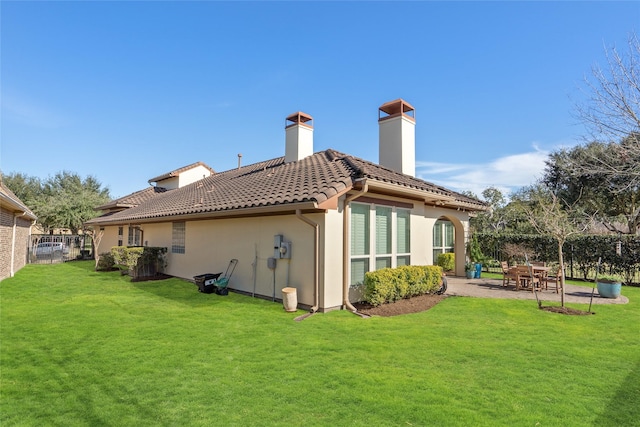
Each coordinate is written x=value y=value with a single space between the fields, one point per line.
x=63 y=201
x=617 y=202
x=27 y=188
x=552 y=216
x=501 y=216
x=611 y=114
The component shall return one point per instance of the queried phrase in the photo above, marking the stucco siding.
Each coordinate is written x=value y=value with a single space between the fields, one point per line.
x=211 y=244
x=331 y=260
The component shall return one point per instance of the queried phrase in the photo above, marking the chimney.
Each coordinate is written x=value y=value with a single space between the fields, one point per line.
x=397 y=124
x=299 y=137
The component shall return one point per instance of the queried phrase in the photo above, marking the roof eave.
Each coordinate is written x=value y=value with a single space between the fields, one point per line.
x=428 y=197
x=282 y=209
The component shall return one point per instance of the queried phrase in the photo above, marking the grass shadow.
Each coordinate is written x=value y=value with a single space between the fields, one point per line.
x=624 y=408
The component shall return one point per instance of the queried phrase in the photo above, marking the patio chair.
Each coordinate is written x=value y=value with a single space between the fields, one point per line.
x=507 y=273
x=526 y=279
x=554 y=277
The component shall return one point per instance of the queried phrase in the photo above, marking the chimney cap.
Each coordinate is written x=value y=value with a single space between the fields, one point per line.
x=298 y=118
x=396 y=107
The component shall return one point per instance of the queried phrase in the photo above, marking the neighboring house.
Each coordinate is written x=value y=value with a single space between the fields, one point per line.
x=163 y=183
x=16 y=220
x=326 y=217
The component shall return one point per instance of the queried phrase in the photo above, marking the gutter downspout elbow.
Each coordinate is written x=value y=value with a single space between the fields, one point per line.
x=345 y=248
x=316 y=239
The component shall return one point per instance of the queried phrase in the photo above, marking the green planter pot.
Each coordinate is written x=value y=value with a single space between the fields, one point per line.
x=470 y=274
x=609 y=290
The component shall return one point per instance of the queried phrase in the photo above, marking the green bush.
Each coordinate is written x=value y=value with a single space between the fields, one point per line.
x=105 y=262
x=393 y=284
x=447 y=261
x=140 y=261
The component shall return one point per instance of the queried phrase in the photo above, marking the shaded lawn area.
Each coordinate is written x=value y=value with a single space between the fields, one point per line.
x=84 y=348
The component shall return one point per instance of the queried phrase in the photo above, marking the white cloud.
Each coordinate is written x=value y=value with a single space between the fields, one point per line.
x=508 y=173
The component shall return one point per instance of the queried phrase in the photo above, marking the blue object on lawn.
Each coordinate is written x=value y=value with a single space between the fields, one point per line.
x=478 y=270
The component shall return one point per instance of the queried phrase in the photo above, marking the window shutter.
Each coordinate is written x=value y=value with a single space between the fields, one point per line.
x=359 y=229
x=383 y=230
x=403 y=230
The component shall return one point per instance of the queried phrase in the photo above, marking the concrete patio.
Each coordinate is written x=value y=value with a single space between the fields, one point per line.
x=492 y=288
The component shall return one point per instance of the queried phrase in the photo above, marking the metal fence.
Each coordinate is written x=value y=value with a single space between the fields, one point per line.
x=55 y=248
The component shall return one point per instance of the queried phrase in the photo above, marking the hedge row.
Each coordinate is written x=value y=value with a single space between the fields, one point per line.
x=393 y=284
x=582 y=250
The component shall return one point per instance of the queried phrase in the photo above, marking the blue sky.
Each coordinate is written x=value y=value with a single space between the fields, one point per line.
x=126 y=91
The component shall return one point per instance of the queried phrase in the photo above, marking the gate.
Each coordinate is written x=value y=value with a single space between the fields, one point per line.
x=55 y=248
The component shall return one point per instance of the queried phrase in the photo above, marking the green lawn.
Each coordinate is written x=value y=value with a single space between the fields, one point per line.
x=80 y=348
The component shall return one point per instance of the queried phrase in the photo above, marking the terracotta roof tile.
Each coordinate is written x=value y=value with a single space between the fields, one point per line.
x=314 y=179
x=133 y=199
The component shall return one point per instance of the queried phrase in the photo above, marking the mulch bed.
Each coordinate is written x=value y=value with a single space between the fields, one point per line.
x=405 y=306
x=425 y=302
x=567 y=310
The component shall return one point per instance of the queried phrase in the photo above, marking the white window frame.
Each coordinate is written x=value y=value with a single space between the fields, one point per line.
x=178 y=237
x=443 y=247
x=372 y=256
x=134 y=236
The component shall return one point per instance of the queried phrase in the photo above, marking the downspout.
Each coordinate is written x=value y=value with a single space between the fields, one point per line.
x=345 y=248
x=316 y=235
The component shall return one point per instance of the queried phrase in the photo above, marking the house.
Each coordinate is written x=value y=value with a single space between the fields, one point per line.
x=325 y=218
x=16 y=220
x=169 y=181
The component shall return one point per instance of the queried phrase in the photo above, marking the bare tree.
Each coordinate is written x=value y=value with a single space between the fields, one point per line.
x=95 y=243
x=550 y=216
x=611 y=114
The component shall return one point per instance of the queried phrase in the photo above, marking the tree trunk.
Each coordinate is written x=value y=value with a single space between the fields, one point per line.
x=561 y=271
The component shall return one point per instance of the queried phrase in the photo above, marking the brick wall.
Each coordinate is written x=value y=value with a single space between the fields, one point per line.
x=22 y=240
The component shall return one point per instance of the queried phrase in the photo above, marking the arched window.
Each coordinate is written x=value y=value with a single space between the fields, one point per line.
x=443 y=238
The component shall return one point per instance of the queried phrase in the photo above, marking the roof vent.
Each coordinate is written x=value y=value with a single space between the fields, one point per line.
x=298 y=137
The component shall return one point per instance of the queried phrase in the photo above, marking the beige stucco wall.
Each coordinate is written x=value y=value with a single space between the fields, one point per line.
x=109 y=239
x=211 y=244
x=193 y=175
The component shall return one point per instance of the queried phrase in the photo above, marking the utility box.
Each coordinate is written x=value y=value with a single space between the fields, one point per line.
x=271 y=263
x=281 y=249
x=285 y=250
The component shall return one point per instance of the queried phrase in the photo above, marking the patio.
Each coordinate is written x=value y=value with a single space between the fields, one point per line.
x=492 y=288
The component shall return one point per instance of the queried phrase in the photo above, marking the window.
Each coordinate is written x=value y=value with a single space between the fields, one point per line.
x=135 y=236
x=380 y=238
x=359 y=242
x=178 y=238
x=443 y=238
x=403 y=235
x=120 y=236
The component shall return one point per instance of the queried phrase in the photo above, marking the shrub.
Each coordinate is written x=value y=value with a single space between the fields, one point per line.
x=105 y=262
x=393 y=284
x=447 y=261
x=140 y=261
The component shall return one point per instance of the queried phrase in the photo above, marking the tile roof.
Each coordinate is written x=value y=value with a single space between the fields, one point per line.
x=179 y=171
x=313 y=180
x=133 y=199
